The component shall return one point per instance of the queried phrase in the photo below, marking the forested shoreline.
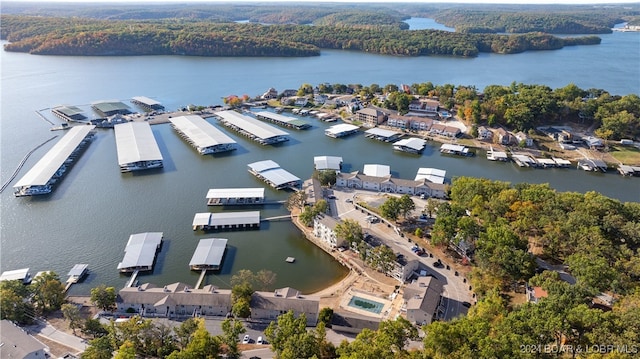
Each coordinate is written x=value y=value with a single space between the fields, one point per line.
x=88 y=37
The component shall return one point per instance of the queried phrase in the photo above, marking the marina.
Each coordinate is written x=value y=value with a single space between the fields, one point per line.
x=228 y=221
x=410 y=145
x=281 y=120
x=381 y=134
x=452 y=149
x=260 y=132
x=235 y=196
x=271 y=172
x=202 y=135
x=140 y=252
x=208 y=255
x=523 y=160
x=341 y=130
x=43 y=176
x=137 y=147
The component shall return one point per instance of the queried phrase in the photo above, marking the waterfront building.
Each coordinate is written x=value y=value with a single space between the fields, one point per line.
x=41 y=178
x=381 y=134
x=274 y=175
x=202 y=135
x=235 y=196
x=402 y=269
x=593 y=165
x=411 y=145
x=504 y=136
x=341 y=130
x=424 y=105
x=147 y=103
x=110 y=108
x=69 y=113
x=324 y=229
x=226 y=220
x=370 y=117
x=523 y=160
x=422 y=300
x=282 y=120
x=270 y=305
x=174 y=300
x=140 y=252
x=484 y=134
x=524 y=138
x=208 y=254
x=323 y=163
x=444 y=130
x=271 y=93
x=493 y=155
x=17 y=343
x=137 y=147
x=376 y=170
x=77 y=273
x=260 y=132
x=432 y=175
x=391 y=185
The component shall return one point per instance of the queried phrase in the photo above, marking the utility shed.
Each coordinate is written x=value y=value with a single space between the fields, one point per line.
x=208 y=254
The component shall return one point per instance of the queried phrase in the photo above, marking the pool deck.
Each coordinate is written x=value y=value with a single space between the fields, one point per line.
x=353 y=292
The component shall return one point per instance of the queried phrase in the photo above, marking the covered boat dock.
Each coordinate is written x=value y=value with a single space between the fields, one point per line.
x=202 y=135
x=208 y=254
x=411 y=145
x=453 y=149
x=146 y=103
x=271 y=172
x=53 y=165
x=140 y=252
x=226 y=220
x=282 y=120
x=22 y=275
x=381 y=134
x=323 y=163
x=235 y=196
x=432 y=175
x=69 y=113
x=110 y=108
x=137 y=147
x=260 y=132
x=341 y=130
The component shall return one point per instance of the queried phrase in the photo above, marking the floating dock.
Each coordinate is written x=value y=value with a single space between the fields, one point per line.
x=147 y=103
x=260 y=132
x=208 y=255
x=69 y=113
x=493 y=155
x=629 y=170
x=271 y=172
x=432 y=175
x=381 y=134
x=323 y=163
x=226 y=221
x=290 y=260
x=592 y=165
x=42 y=177
x=22 y=275
x=282 y=120
x=561 y=162
x=140 y=252
x=202 y=135
x=76 y=274
x=137 y=147
x=524 y=160
x=458 y=150
x=235 y=196
x=341 y=130
x=410 y=145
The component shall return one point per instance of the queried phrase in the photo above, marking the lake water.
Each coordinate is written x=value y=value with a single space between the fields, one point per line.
x=90 y=216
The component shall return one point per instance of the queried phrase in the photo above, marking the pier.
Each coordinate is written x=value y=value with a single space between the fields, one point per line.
x=132 y=281
x=235 y=196
x=286 y=217
x=341 y=130
x=282 y=120
x=452 y=149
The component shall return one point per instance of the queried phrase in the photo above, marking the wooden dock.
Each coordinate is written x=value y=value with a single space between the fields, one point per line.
x=201 y=279
x=133 y=278
x=286 y=217
x=76 y=274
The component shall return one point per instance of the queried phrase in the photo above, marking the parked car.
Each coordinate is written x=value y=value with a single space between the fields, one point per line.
x=438 y=264
x=348 y=200
x=246 y=339
x=260 y=341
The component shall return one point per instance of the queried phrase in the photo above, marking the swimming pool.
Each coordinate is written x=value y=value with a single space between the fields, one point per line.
x=366 y=304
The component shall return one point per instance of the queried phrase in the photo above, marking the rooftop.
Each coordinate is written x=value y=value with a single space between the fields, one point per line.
x=135 y=142
x=202 y=133
x=251 y=125
x=236 y=193
x=209 y=252
x=327 y=163
x=377 y=170
x=141 y=250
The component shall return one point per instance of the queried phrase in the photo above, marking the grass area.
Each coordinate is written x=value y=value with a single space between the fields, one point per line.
x=626 y=154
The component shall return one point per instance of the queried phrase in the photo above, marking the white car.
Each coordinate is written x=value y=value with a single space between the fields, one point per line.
x=259 y=341
x=246 y=339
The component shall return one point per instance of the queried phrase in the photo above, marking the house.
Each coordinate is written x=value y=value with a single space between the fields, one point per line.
x=484 y=134
x=324 y=229
x=420 y=124
x=173 y=300
x=534 y=294
x=424 y=106
x=289 y=93
x=593 y=142
x=16 y=343
x=320 y=99
x=271 y=93
x=524 y=138
x=422 y=300
x=398 y=121
x=403 y=269
x=370 y=116
x=504 y=137
x=444 y=130
x=269 y=305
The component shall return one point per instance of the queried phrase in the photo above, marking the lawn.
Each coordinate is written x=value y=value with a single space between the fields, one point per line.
x=628 y=155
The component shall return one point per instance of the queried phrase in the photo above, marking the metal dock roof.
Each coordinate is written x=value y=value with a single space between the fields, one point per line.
x=226 y=218
x=433 y=175
x=251 y=125
x=381 y=132
x=276 y=117
x=235 y=193
x=377 y=170
x=417 y=144
x=272 y=173
x=135 y=143
x=209 y=253
x=78 y=270
x=452 y=147
x=327 y=162
x=200 y=132
x=107 y=107
x=261 y=166
x=146 y=101
x=141 y=250
x=44 y=169
x=338 y=130
x=16 y=274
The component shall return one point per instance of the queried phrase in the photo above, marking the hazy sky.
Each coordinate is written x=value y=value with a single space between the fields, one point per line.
x=360 y=1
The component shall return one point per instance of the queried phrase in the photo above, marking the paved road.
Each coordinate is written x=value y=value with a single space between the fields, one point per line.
x=456 y=290
x=48 y=331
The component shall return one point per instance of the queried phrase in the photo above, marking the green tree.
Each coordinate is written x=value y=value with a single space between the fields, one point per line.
x=297 y=199
x=231 y=330
x=126 y=351
x=185 y=331
x=72 y=314
x=202 y=345
x=98 y=348
x=14 y=305
x=290 y=339
x=407 y=205
x=48 y=292
x=94 y=328
x=349 y=230
x=241 y=308
x=325 y=316
x=104 y=297
x=326 y=177
x=391 y=208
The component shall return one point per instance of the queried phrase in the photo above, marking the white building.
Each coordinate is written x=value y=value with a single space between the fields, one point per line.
x=324 y=229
